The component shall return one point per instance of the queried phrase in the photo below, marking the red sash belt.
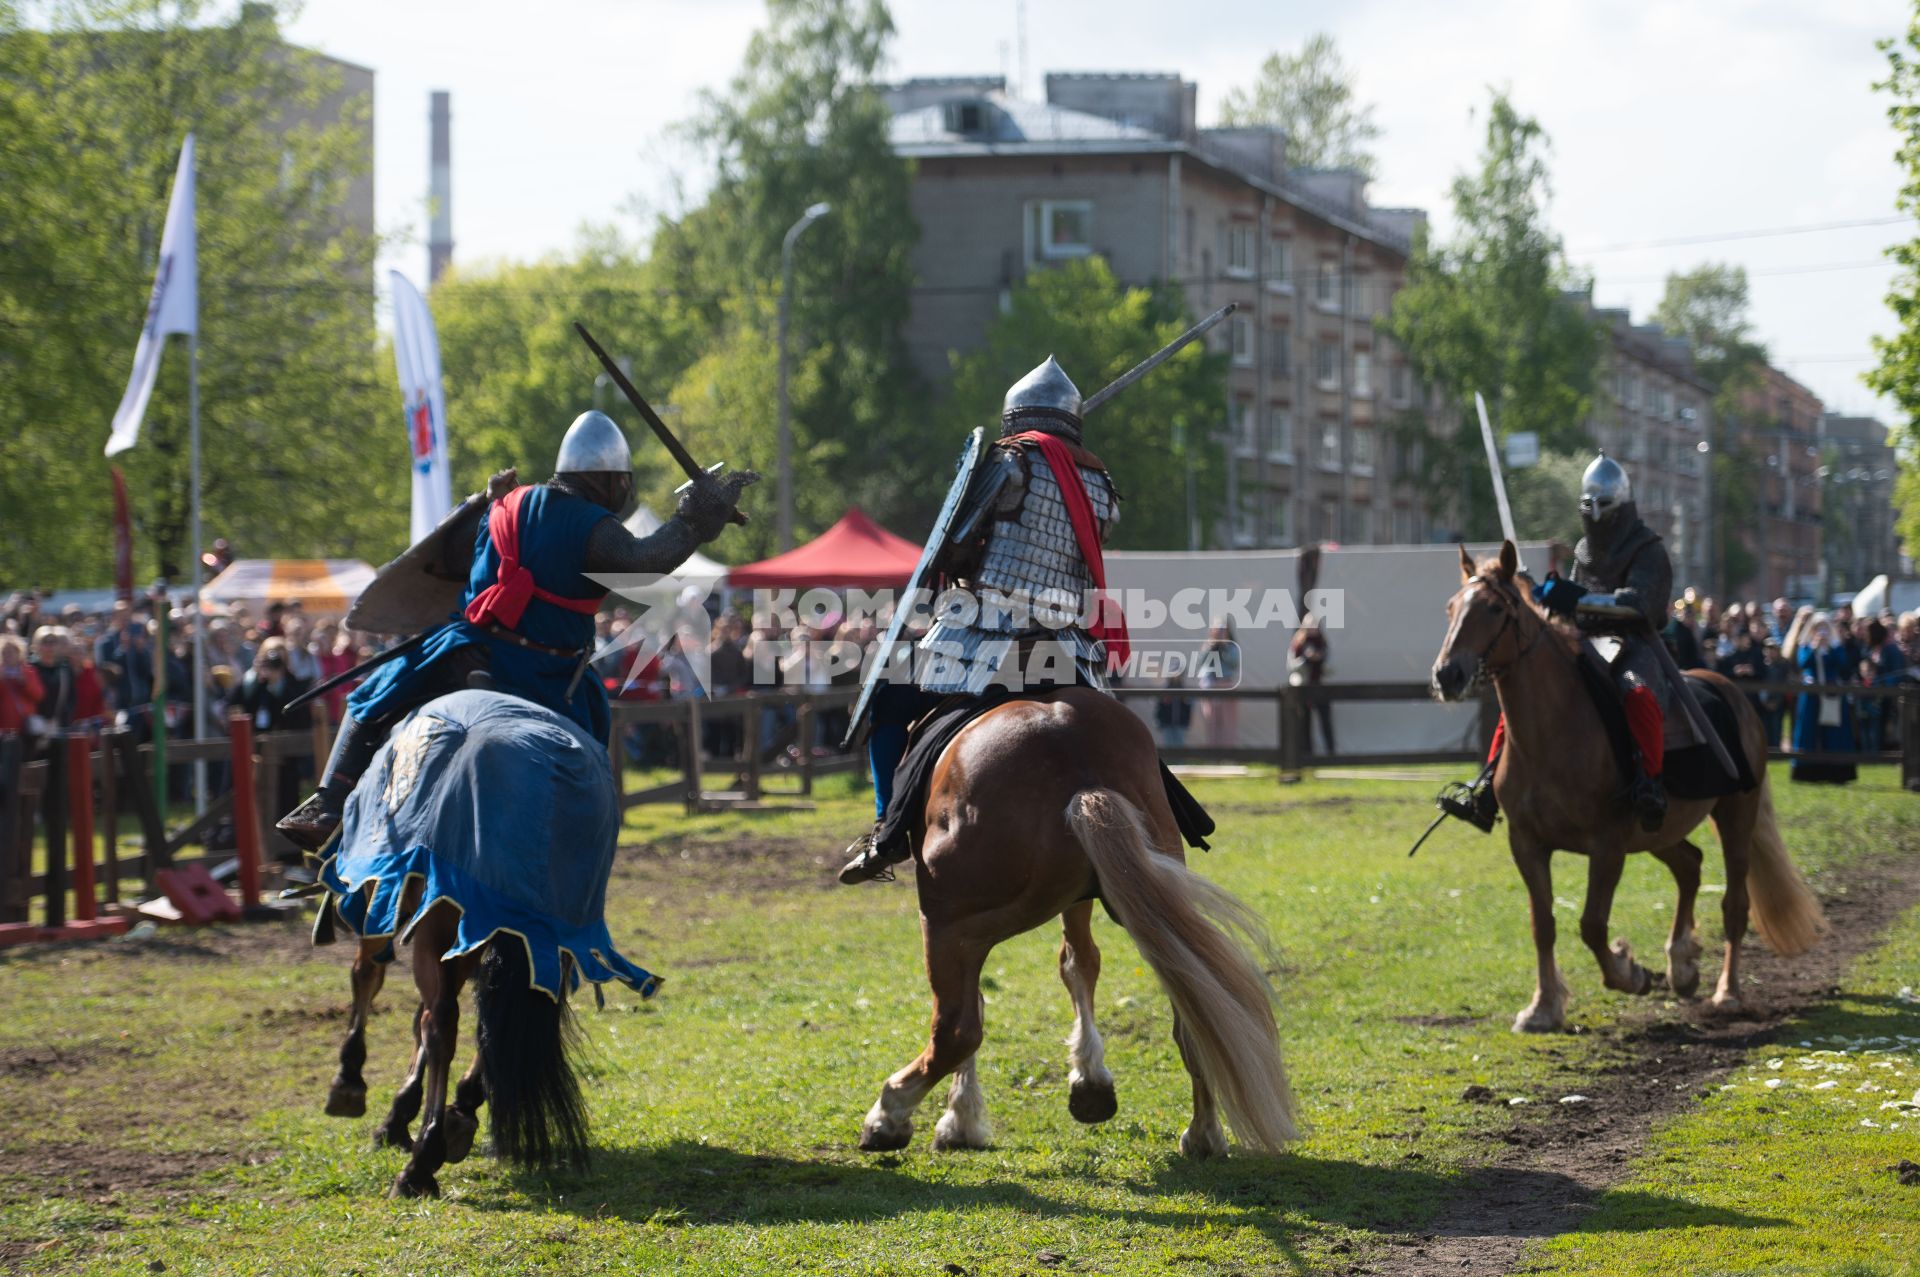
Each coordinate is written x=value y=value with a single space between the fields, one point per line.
x=1109 y=618
x=505 y=601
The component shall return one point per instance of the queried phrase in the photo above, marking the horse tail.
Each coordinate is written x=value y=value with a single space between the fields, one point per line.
x=528 y=1039
x=1785 y=911
x=1206 y=947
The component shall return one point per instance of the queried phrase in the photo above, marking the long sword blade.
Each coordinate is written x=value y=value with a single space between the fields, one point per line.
x=1154 y=360
x=1499 y=476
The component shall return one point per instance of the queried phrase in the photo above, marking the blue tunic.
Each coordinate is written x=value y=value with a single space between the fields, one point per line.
x=554 y=527
x=1818 y=665
x=507 y=810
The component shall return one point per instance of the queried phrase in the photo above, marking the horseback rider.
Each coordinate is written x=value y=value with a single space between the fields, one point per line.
x=1621 y=587
x=1027 y=547
x=527 y=619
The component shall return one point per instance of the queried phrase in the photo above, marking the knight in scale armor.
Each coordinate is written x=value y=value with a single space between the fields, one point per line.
x=1023 y=544
x=1621 y=588
x=526 y=620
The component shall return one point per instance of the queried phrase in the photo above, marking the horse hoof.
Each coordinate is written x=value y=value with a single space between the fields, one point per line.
x=1726 y=1004
x=874 y=1139
x=405 y=1187
x=346 y=1101
x=390 y=1136
x=950 y=1135
x=460 y=1130
x=1200 y=1145
x=1683 y=983
x=1534 y=1020
x=1092 y=1103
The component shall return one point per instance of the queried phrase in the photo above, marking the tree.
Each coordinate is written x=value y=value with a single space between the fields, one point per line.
x=1489 y=312
x=1708 y=306
x=1898 y=373
x=94 y=105
x=800 y=123
x=1308 y=95
x=1097 y=328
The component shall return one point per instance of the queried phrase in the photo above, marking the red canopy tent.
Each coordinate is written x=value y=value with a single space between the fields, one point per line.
x=855 y=552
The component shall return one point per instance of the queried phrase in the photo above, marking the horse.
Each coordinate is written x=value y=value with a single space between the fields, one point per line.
x=1036 y=809
x=482 y=837
x=1554 y=782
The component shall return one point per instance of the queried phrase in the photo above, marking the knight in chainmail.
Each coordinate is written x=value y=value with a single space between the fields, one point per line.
x=1621 y=587
x=526 y=624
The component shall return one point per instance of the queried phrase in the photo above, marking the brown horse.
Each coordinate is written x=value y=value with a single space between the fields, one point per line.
x=1036 y=809
x=524 y=1063
x=1555 y=782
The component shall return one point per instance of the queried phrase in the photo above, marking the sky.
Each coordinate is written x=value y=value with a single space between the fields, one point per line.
x=1696 y=120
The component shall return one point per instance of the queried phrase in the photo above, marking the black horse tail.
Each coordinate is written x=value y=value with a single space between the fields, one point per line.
x=528 y=1042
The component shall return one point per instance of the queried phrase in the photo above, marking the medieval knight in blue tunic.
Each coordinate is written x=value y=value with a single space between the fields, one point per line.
x=526 y=623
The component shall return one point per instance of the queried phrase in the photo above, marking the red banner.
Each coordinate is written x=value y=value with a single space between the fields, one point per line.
x=122 y=538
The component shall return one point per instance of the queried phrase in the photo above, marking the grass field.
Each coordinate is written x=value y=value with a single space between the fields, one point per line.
x=162 y=1098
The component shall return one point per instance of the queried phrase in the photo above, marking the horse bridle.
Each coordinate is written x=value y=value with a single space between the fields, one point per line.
x=1509 y=596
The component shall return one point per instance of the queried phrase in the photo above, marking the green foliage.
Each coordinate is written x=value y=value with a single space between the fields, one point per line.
x=303 y=454
x=1546 y=497
x=1488 y=312
x=1309 y=95
x=1097 y=328
x=1898 y=373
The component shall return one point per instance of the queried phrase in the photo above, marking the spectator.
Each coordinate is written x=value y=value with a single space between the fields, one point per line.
x=20 y=691
x=1822 y=723
x=1681 y=640
x=1782 y=620
x=71 y=695
x=1773 y=704
x=1173 y=715
x=335 y=653
x=302 y=661
x=1307 y=667
x=1219 y=666
x=264 y=694
x=1883 y=664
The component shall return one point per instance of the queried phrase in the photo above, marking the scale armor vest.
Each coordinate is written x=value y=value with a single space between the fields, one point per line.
x=1031 y=554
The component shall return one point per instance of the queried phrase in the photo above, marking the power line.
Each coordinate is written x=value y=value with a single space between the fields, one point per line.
x=1717 y=237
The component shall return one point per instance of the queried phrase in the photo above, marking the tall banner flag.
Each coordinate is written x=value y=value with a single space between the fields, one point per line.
x=173 y=308
x=416 y=356
x=122 y=539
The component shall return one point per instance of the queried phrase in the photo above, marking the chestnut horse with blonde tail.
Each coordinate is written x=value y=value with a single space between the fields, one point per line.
x=1036 y=809
x=1557 y=783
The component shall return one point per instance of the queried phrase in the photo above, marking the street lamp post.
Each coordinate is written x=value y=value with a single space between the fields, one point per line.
x=812 y=215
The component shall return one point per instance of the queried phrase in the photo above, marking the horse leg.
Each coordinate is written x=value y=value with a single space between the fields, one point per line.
x=1089 y=1086
x=1548 y=1010
x=1683 y=942
x=1733 y=917
x=964 y=1124
x=347 y=1095
x=954 y=972
x=463 y=1115
x=392 y=1132
x=1618 y=970
x=439 y=982
x=1204 y=1136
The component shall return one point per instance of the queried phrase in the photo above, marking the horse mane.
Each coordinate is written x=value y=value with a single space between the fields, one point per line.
x=1562 y=632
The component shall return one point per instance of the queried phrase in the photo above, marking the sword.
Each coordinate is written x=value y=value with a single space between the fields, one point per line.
x=674 y=447
x=1154 y=360
x=1499 y=476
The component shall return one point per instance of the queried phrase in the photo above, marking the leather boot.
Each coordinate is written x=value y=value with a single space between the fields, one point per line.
x=312 y=824
x=871 y=862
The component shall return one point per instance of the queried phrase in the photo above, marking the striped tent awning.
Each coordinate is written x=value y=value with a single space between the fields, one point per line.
x=324 y=587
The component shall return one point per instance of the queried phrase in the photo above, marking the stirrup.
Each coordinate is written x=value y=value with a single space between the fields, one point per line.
x=1649 y=803
x=311 y=824
x=867 y=865
x=1460 y=799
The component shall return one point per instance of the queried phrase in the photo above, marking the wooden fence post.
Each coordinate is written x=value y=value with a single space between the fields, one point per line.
x=1291 y=721
x=80 y=816
x=153 y=828
x=690 y=752
x=16 y=830
x=1909 y=710
x=109 y=819
x=246 y=817
x=53 y=810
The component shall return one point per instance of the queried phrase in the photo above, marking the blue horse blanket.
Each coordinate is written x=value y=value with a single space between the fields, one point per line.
x=502 y=807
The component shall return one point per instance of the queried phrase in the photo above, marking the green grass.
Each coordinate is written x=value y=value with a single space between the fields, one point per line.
x=726 y=1108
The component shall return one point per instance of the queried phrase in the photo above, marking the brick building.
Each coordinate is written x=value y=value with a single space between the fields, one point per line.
x=1860 y=538
x=1778 y=426
x=1114 y=165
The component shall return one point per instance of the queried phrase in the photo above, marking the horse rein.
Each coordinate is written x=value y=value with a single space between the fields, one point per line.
x=1483 y=670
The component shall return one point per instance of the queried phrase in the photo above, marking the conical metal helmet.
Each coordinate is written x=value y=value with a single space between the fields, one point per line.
x=594 y=445
x=1604 y=488
x=1045 y=399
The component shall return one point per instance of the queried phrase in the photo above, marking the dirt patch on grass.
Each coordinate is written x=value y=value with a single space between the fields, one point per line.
x=99 y=1174
x=21 y=1064
x=1650 y=1064
x=737 y=866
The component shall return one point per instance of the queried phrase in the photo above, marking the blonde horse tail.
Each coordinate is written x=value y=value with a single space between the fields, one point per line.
x=1786 y=913
x=1207 y=948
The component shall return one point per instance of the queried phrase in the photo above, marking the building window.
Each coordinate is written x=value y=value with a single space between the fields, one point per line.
x=1326 y=287
x=1359 y=525
x=1241 y=337
x=1363 y=374
x=1402 y=526
x=1240 y=250
x=1326 y=364
x=1058 y=229
x=1363 y=449
x=1280 y=447
x=1326 y=521
x=1280 y=269
x=1244 y=429
x=1329 y=445
x=1397 y=380
x=964 y=117
x=1280 y=352
x=1246 y=522
x=1280 y=520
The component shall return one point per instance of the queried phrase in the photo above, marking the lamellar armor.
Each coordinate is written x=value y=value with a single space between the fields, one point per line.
x=1016 y=556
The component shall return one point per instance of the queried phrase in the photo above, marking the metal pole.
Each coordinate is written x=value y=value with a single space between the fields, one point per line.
x=813 y=214
x=199 y=570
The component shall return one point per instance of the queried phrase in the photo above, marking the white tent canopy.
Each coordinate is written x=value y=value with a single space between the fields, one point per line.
x=323 y=587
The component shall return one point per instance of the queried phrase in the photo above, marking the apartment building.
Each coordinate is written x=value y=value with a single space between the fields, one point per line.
x=1778 y=424
x=1861 y=540
x=1115 y=165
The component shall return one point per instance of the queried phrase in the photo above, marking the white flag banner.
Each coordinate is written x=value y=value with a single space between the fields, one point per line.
x=416 y=355
x=173 y=308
